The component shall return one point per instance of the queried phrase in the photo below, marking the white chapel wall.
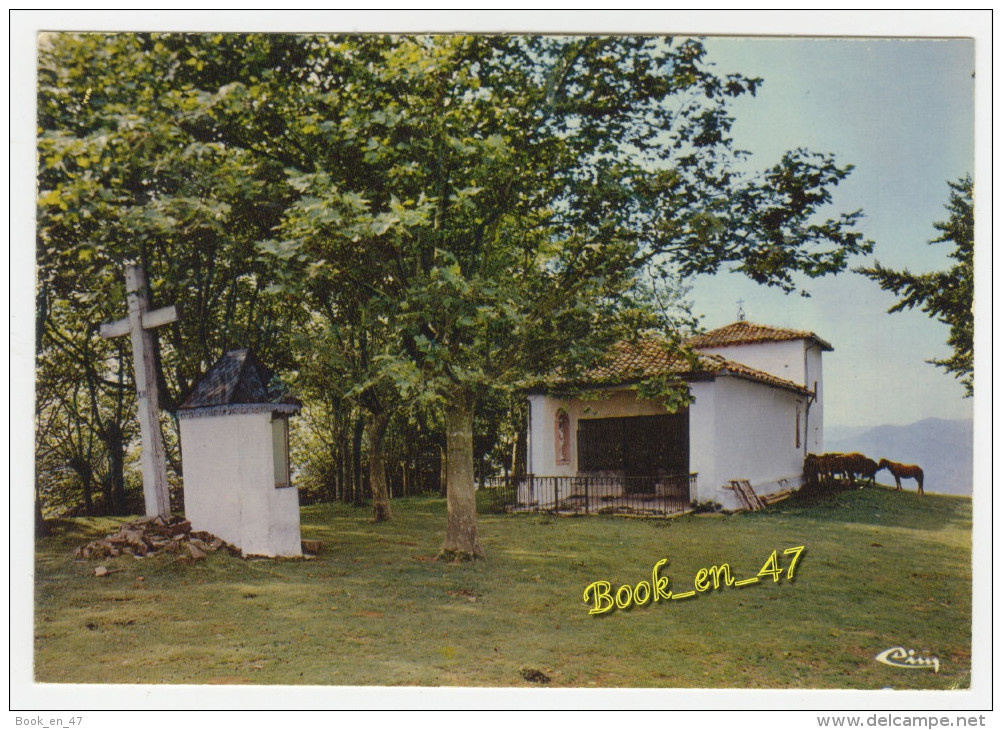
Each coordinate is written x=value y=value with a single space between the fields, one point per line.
x=702 y=435
x=737 y=430
x=211 y=469
x=783 y=359
x=816 y=420
x=756 y=437
x=542 y=417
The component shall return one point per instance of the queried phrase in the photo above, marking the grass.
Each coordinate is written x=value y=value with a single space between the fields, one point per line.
x=880 y=569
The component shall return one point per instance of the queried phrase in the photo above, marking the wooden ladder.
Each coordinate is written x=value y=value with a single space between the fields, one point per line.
x=746 y=495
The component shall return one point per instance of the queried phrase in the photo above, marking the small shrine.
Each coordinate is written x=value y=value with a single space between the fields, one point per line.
x=235 y=458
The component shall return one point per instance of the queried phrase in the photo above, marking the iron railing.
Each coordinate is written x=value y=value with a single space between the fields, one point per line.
x=661 y=495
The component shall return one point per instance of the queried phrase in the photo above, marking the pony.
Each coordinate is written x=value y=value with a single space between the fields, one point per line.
x=859 y=466
x=847 y=467
x=906 y=471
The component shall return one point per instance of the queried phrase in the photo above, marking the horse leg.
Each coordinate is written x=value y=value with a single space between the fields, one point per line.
x=920 y=489
x=897 y=480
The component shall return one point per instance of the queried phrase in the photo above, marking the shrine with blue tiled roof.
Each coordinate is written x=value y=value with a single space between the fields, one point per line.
x=235 y=458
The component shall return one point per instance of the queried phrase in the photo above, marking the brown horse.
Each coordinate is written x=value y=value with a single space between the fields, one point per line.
x=903 y=471
x=858 y=466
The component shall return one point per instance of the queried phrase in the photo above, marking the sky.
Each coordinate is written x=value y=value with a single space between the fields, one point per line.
x=901 y=111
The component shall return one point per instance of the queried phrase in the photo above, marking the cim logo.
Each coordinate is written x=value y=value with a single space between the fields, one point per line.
x=898 y=656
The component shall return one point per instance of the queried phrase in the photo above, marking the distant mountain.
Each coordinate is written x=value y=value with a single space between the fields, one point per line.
x=835 y=434
x=942 y=448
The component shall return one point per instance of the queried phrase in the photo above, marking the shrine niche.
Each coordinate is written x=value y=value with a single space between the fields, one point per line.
x=235 y=457
x=562 y=441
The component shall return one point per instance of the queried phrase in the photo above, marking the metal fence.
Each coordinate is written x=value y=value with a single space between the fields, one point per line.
x=662 y=495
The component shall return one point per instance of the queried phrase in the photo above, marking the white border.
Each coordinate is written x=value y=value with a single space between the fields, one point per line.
x=28 y=697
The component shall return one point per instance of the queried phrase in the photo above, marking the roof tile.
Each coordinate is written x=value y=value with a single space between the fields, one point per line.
x=746 y=333
x=632 y=362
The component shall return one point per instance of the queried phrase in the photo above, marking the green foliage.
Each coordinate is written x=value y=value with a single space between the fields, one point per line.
x=495 y=199
x=403 y=218
x=122 y=180
x=947 y=296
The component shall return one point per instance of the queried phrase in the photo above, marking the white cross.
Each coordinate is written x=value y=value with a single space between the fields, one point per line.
x=139 y=324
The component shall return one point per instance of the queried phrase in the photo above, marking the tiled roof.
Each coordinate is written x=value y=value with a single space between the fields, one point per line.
x=632 y=362
x=719 y=365
x=745 y=333
x=237 y=378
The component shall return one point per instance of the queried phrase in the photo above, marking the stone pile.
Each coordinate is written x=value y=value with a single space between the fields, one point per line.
x=153 y=535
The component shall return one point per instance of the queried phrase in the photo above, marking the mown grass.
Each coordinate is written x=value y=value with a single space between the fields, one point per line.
x=880 y=569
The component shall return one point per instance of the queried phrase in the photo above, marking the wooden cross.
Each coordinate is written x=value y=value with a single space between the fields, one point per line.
x=139 y=324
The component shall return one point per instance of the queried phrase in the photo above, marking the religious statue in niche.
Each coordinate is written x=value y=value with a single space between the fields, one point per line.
x=563 y=440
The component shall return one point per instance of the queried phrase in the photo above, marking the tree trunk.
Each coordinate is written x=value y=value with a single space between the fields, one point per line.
x=514 y=455
x=114 y=488
x=81 y=466
x=41 y=526
x=356 y=461
x=461 y=539
x=377 y=468
x=342 y=472
x=331 y=476
x=443 y=470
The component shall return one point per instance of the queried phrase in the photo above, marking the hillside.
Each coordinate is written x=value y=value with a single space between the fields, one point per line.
x=942 y=448
x=825 y=586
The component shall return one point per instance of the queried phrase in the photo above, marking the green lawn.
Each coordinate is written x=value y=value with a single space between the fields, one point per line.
x=880 y=569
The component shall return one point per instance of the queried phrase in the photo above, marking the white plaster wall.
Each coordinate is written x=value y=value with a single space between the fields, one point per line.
x=229 y=484
x=816 y=417
x=542 y=455
x=799 y=361
x=616 y=405
x=754 y=438
x=211 y=465
x=782 y=359
x=702 y=440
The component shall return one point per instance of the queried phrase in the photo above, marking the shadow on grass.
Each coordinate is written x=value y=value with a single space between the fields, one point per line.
x=83 y=529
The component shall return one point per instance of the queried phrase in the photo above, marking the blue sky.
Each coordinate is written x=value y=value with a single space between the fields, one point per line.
x=902 y=112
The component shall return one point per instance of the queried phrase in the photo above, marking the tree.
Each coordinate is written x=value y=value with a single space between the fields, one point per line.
x=495 y=200
x=462 y=213
x=944 y=295
x=120 y=180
